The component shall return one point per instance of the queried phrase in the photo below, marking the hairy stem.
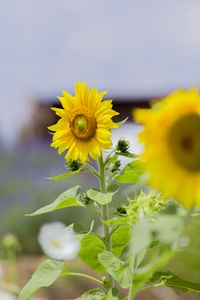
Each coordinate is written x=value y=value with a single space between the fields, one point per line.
x=105 y=214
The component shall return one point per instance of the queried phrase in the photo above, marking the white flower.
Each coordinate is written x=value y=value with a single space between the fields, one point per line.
x=6 y=296
x=58 y=241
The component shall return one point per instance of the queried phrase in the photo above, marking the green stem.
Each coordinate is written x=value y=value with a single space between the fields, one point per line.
x=114 y=229
x=85 y=276
x=132 y=293
x=105 y=213
x=147 y=287
x=11 y=257
x=95 y=212
x=92 y=171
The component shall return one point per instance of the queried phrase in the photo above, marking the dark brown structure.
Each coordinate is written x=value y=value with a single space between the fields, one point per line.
x=42 y=116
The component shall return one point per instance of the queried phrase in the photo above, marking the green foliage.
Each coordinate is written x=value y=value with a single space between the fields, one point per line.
x=128 y=154
x=66 y=175
x=142 y=237
x=164 y=228
x=139 y=207
x=97 y=294
x=168 y=228
x=102 y=198
x=44 y=276
x=144 y=273
x=135 y=244
x=117 y=268
x=120 y=239
x=171 y=280
x=66 y=199
x=131 y=173
x=91 y=246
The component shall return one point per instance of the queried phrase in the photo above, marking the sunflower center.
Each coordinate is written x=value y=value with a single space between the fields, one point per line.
x=83 y=127
x=184 y=142
x=81 y=124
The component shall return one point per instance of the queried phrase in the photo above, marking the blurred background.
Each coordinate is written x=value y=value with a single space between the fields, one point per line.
x=136 y=50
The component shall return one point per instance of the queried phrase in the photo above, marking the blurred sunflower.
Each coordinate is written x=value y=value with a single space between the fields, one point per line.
x=171 y=138
x=85 y=124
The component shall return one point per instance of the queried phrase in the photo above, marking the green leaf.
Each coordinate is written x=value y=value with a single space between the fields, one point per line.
x=164 y=228
x=66 y=199
x=171 y=280
x=118 y=269
x=126 y=154
x=95 y=294
x=44 y=276
x=113 y=188
x=140 y=257
x=168 y=228
x=113 y=294
x=78 y=228
x=142 y=236
x=131 y=173
x=101 y=198
x=144 y=273
x=66 y=175
x=120 y=239
x=90 y=247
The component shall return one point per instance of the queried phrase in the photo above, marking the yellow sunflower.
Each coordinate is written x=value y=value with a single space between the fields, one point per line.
x=171 y=138
x=85 y=124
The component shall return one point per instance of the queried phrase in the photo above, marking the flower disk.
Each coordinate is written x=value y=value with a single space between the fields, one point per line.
x=171 y=138
x=85 y=124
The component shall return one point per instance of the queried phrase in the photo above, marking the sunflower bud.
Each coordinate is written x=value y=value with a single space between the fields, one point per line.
x=116 y=166
x=121 y=211
x=85 y=199
x=123 y=146
x=74 y=165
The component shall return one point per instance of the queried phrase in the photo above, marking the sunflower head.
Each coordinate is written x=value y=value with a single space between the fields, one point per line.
x=171 y=138
x=85 y=124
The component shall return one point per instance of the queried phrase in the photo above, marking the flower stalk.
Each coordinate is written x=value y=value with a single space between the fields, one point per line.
x=105 y=214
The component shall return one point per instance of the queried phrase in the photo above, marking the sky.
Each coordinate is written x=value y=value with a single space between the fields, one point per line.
x=129 y=48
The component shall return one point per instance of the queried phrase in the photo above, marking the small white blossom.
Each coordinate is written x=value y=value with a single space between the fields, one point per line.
x=58 y=241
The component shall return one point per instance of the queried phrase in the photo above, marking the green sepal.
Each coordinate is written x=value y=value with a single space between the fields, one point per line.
x=90 y=247
x=44 y=276
x=119 y=124
x=66 y=199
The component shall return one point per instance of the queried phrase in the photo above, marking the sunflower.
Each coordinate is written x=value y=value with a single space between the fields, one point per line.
x=171 y=138
x=85 y=124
